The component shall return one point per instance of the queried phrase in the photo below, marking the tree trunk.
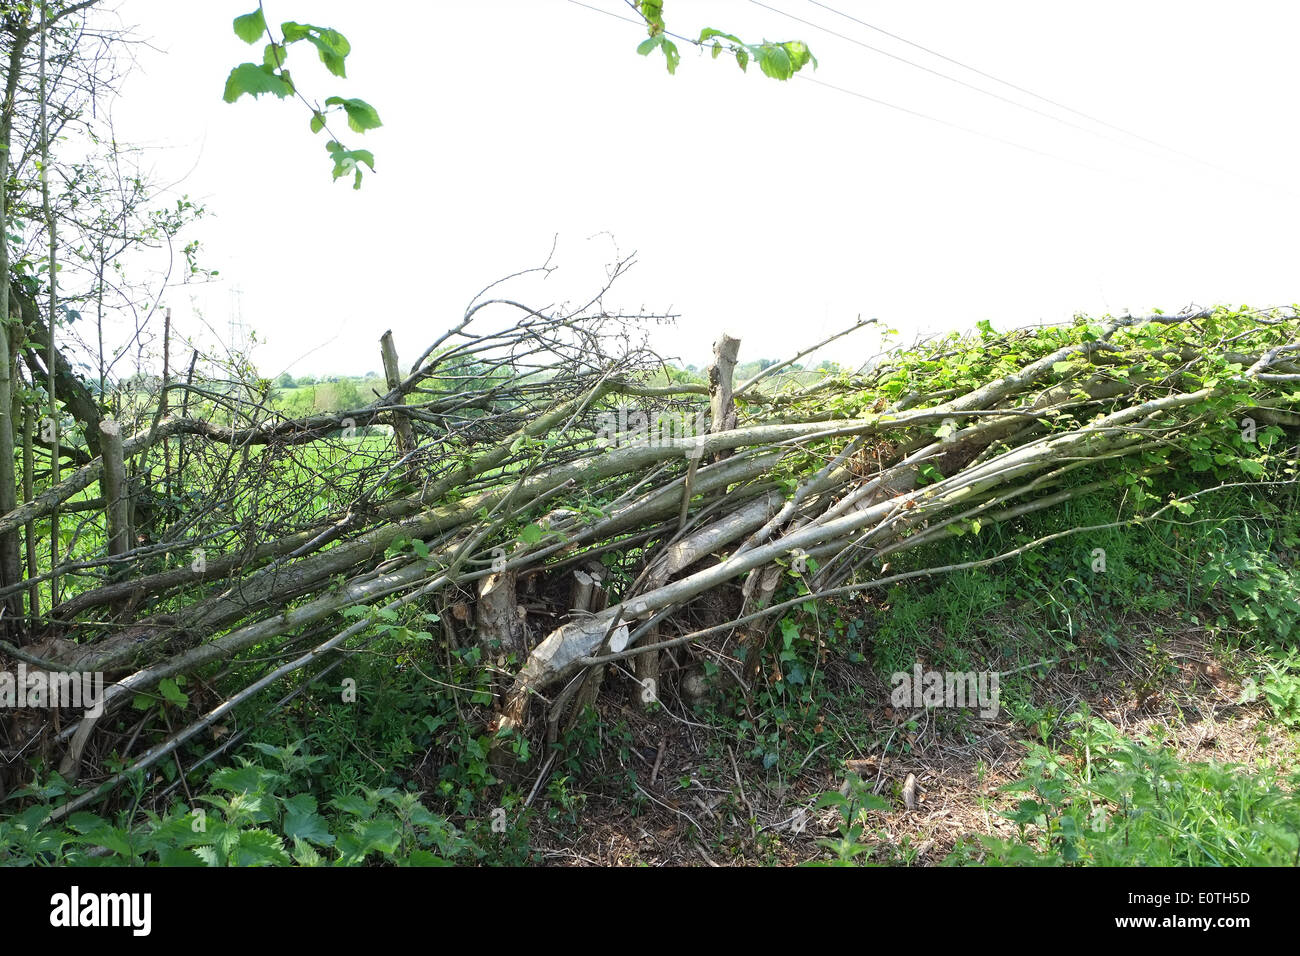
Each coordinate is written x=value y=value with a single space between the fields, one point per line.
x=401 y=424
x=10 y=564
x=29 y=529
x=722 y=411
x=9 y=571
x=52 y=276
x=117 y=503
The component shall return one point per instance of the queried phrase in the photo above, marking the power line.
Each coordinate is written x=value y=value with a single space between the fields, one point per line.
x=920 y=66
x=989 y=93
x=1027 y=92
x=616 y=16
x=1170 y=149
x=995 y=79
x=956 y=126
x=893 y=106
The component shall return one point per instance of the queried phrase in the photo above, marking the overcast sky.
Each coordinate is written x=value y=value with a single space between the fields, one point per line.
x=776 y=212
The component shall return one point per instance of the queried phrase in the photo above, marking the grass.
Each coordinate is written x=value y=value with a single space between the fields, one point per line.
x=1149 y=714
x=1100 y=798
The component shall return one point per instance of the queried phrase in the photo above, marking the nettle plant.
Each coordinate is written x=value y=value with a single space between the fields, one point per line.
x=854 y=804
x=248 y=815
x=1104 y=800
x=1280 y=686
x=1259 y=593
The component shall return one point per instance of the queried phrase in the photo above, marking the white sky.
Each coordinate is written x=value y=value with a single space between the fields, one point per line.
x=777 y=212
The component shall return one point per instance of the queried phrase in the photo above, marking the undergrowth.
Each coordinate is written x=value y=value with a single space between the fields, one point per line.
x=399 y=773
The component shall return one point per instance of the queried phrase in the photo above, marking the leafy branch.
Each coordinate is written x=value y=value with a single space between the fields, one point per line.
x=779 y=60
x=272 y=76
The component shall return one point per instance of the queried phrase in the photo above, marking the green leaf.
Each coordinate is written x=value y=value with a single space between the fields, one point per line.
x=671 y=55
x=774 y=61
x=709 y=34
x=353 y=804
x=172 y=693
x=662 y=42
x=653 y=12
x=349 y=160
x=425 y=858
x=531 y=534
x=178 y=856
x=800 y=55
x=274 y=55
x=84 y=822
x=238 y=779
x=317 y=122
x=305 y=855
x=302 y=822
x=378 y=835
x=832 y=798
x=110 y=838
x=361 y=115
x=294 y=32
x=789 y=631
x=254 y=80
x=333 y=48
x=250 y=26
x=208 y=854
x=260 y=847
